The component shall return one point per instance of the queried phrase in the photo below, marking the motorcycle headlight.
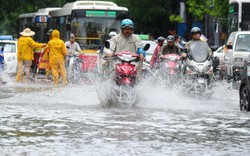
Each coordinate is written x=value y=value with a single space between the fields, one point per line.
x=193 y=69
x=207 y=69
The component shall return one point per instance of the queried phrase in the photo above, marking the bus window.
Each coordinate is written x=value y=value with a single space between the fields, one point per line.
x=233 y=23
x=245 y=16
x=233 y=17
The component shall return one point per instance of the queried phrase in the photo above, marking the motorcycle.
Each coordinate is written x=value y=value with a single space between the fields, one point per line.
x=199 y=69
x=123 y=92
x=170 y=68
x=74 y=66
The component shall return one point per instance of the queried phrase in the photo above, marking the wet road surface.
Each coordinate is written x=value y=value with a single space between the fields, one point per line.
x=43 y=120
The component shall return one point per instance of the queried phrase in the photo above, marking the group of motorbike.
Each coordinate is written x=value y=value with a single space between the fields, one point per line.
x=193 y=74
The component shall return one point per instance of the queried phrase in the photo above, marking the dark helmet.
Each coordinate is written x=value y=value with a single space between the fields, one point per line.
x=160 y=39
x=50 y=32
x=127 y=23
x=195 y=30
x=170 y=38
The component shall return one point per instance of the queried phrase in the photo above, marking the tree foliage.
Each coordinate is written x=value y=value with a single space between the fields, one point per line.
x=154 y=17
x=215 y=8
x=11 y=9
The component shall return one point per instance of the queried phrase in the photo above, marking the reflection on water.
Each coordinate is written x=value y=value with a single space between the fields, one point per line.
x=70 y=121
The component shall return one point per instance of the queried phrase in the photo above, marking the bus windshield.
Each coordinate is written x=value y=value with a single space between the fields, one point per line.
x=93 y=26
x=92 y=31
x=40 y=29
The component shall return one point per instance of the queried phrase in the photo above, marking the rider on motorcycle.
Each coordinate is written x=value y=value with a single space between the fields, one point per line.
x=155 y=57
x=196 y=36
x=71 y=46
x=170 y=47
x=127 y=41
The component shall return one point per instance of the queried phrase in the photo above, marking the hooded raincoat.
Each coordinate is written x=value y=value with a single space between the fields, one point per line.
x=57 y=53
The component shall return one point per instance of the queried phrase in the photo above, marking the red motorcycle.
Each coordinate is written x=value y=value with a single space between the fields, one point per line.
x=125 y=72
x=170 y=67
x=123 y=92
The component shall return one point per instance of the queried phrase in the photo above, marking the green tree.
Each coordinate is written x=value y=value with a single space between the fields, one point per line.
x=215 y=8
x=151 y=16
x=11 y=9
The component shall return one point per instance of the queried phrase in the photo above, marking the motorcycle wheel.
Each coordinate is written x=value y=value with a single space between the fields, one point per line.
x=124 y=97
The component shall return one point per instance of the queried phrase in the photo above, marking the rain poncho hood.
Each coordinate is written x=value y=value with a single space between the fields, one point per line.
x=55 y=34
x=56 y=47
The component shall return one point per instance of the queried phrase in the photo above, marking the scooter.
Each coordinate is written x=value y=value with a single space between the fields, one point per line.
x=123 y=92
x=74 y=66
x=170 y=67
x=199 y=69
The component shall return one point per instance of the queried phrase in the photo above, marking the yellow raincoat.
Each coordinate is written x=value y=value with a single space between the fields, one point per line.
x=25 y=52
x=26 y=45
x=57 y=53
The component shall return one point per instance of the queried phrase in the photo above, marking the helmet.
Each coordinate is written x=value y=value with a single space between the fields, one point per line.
x=127 y=23
x=50 y=32
x=160 y=39
x=112 y=33
x=195 y=30
x=170 y=38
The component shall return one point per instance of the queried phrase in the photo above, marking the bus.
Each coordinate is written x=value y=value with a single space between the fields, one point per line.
x=37 y=22
x=91 y=22
x=238 y=15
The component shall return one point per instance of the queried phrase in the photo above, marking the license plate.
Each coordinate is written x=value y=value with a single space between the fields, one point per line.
x=201 y=80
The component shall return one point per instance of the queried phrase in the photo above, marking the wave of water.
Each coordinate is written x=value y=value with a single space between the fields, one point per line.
x=39 y=119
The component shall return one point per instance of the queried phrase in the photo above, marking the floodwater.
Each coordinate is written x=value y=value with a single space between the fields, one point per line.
x=41 y=120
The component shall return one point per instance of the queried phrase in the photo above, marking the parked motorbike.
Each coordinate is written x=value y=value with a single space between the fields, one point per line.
x=74 y=66
x=170 y=67
x=199 y=69
x=123 y=92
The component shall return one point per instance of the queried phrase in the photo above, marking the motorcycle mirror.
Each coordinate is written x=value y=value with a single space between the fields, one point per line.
x=190 y=57
x=146 y=47
x=229 y=46
x=214 y=48
x=107 y=44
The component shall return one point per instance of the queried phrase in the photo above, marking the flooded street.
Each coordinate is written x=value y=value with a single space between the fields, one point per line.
x=42 y=120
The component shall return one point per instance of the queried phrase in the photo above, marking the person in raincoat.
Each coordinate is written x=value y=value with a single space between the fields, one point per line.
x=57 y=53
x=46 y=55
x=25 y=54
x=196 y=36
x=154 y=61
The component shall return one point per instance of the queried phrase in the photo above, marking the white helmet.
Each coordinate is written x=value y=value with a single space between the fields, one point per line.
x=112 y=34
